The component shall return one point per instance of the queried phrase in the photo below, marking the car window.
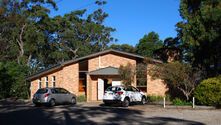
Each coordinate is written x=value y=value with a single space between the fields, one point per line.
x=134 y=89
x=63 y=91
x=42 y=91
x=112 y=88
x=53 y=91
x=57 y=90
x=129 y=88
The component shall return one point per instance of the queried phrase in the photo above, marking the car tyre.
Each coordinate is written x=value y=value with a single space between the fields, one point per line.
x=126 y=102
x=143 y=101
x=107 y=103
x=73 y=101
x=52 y=102
x=37 y=104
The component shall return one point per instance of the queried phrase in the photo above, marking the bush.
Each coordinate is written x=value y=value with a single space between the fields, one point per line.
x=12 y=80
x=209 y=92
x=81 y=98
x=180 y=102
x=154 y=98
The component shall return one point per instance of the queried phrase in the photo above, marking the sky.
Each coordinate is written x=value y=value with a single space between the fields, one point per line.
x=132 y=19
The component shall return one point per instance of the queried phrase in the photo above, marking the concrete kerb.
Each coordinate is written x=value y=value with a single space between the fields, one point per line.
x=190 y=107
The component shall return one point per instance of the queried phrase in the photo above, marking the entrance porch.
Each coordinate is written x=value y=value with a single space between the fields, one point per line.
x=99 y=80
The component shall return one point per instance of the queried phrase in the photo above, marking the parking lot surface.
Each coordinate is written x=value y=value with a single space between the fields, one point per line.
x=98 y=114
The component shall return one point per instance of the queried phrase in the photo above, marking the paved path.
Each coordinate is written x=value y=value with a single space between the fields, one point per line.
x=96 y=113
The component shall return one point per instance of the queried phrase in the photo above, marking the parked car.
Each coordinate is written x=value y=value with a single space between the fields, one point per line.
x=123 y=95
x=53 y=96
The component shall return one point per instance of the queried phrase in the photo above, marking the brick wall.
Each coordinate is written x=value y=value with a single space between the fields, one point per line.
x=105 y=61
x=155 y=86
x=67 y=77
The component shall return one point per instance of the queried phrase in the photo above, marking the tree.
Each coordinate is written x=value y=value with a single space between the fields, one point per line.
x=23 y=27
x=33 y=39
x=123 y=47
x=170 y=51
x=127 y=74
x=141 y=74
x=148 y=44
x=200 y=31
x=12 y=80
x=177 y=75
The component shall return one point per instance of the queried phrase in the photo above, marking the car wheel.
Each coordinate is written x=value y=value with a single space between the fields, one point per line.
x=126 y=102
x=37 y=104
x=107 y=103
x=73 y=101
x=52 y=102
x=143 y=100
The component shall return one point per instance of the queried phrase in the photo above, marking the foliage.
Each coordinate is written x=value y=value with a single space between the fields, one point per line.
x=170 y=51
x=123 y=47
x=148 y=44
x=177 y=75
x=153 y=98
x=200 y=32
x=141 y=74
x=81 y=98
x=30 y=38
x=180 y=102
x=209 y=92
x=12 y=80
x=127 y=74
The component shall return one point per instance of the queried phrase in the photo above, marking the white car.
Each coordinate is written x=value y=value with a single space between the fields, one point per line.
x=124 y=95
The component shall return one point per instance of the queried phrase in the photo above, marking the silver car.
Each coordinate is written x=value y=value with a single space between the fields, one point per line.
x=53 y=96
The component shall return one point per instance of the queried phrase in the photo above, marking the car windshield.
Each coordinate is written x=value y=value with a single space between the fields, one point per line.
x=42 y=91
x=113 y=88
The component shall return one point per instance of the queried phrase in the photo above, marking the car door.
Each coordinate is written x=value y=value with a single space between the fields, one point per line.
x=58 y=95
x=137 y=95
x=66 y=96
x=130 y=93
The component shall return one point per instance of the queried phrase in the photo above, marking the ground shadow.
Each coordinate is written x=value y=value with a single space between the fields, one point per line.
x=82 y=115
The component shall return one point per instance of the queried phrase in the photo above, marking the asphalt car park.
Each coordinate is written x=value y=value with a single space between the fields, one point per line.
x=94 y=113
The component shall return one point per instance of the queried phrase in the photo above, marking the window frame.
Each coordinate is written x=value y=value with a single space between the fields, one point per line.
x=46 y=82
x=39 y=83
x=53 y=81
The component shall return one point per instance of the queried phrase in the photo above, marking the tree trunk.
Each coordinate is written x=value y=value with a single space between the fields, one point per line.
x=29 y=60
x=21 y=44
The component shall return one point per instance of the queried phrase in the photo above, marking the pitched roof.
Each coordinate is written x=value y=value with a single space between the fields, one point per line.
x=61 y=65
x=105 y=71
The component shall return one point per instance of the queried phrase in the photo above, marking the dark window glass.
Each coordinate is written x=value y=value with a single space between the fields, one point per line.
x=42 y=91
x=134 y=89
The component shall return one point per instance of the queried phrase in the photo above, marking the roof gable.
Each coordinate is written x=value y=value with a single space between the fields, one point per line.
x=61 y=65
x=105 y=71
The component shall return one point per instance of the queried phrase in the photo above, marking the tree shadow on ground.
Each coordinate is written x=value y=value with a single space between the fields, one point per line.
x=82 y=115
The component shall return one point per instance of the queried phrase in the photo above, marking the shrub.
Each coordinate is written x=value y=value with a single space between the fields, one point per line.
x=180 y=102
x=154 y=98
x=81 y=98
x=12 y=80
x=209 y=92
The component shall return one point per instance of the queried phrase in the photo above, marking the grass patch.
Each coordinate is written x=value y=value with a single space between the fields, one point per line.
x=179 y=102
x=81 y=98
x=154 y=98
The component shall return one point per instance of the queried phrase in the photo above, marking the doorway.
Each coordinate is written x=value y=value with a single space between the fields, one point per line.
x=106 y=84
x=102 y=86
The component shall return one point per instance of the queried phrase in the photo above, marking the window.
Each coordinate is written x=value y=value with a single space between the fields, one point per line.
x=61 y=91
x=53 y=81
x=42 y=91
x=39 y=83
x=46 y=81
